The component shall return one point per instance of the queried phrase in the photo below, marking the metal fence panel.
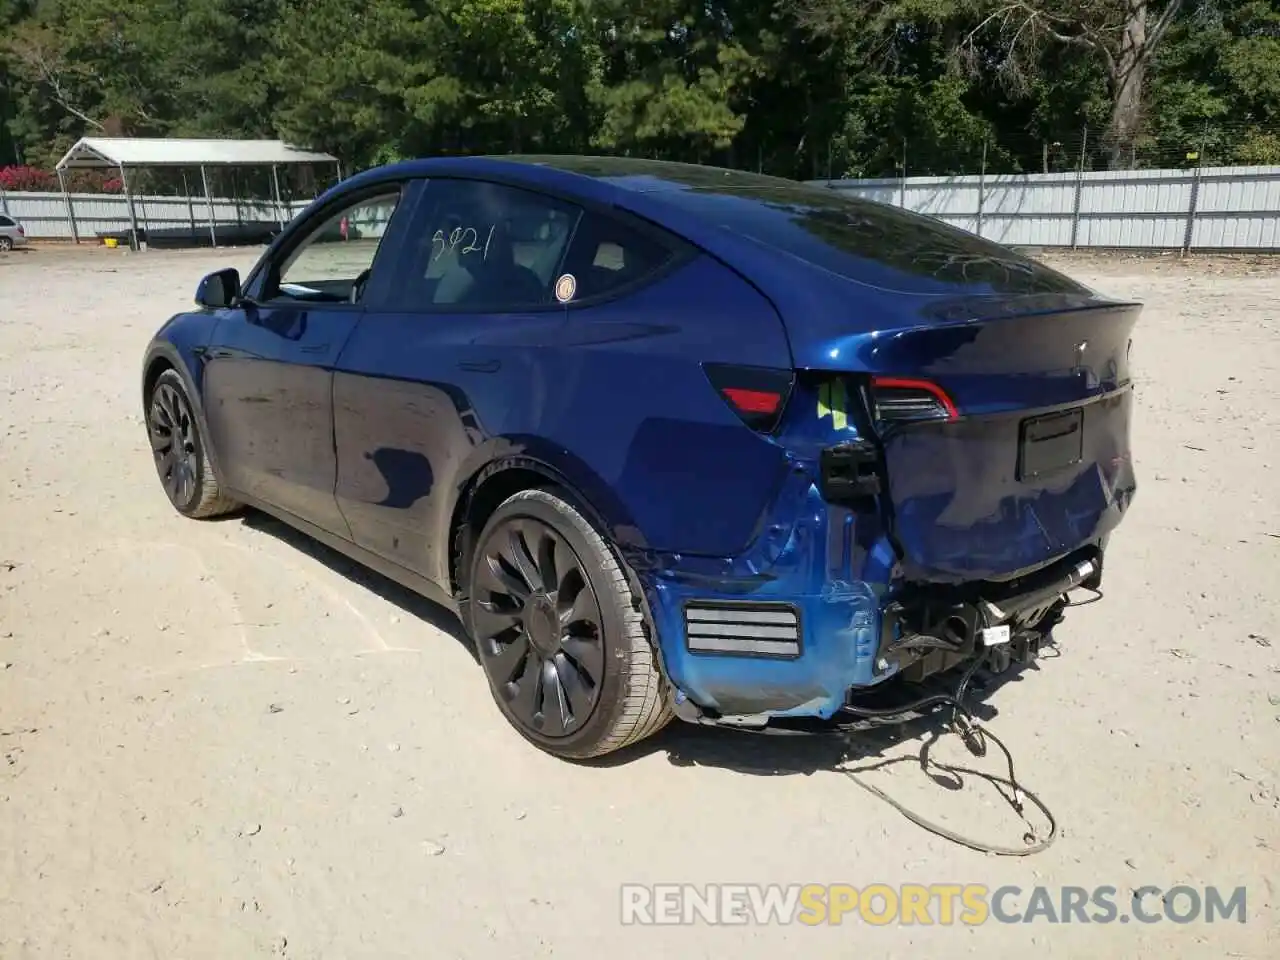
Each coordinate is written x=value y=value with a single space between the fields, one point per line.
x=44 y=215
x=41 y=214
x=1211 y=208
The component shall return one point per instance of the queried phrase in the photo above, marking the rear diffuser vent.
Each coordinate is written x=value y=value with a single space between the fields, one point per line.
x=743 y=629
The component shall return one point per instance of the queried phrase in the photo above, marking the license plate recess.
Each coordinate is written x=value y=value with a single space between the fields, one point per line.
x=1050 y=443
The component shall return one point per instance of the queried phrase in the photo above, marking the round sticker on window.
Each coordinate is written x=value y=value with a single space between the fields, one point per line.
x=566 y=287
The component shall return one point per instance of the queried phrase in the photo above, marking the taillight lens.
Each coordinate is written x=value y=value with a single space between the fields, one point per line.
x=756 y=394
x=899 y=399
x=22 y=231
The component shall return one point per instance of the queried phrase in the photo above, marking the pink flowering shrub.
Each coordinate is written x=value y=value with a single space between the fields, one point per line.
x=30 y=179
x=16 y=179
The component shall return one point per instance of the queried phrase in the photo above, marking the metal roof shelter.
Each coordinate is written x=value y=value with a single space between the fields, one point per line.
x=122 y=153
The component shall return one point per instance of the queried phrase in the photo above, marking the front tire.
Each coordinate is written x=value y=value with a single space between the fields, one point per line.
x=182 y=460
x=560 y=632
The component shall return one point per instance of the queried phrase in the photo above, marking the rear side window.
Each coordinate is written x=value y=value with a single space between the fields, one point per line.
x=861 y=240
x=607 y=256
x=5 y=222
x=488 y=246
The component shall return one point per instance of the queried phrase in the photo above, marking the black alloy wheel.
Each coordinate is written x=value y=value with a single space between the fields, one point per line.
x=173 y=440
x=182 y=461
x=562 y=628
x=539 y=627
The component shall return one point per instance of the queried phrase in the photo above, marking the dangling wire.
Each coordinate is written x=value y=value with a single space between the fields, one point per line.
x=1094 y=597
x=1033 y=843
x=974 y=737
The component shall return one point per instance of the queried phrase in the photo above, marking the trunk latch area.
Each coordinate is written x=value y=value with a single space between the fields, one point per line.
x=850 y=472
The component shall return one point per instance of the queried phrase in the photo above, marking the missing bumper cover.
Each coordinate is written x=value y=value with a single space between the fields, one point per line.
x=930 y=632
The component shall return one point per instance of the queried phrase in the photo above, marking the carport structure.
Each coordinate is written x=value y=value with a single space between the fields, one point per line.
x=133 y=153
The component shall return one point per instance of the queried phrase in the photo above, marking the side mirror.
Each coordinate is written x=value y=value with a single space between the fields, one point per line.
x=219 y=290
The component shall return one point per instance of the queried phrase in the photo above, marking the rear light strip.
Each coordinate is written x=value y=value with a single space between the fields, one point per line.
x=899 y=399
x=757 y=395
x=752 y=401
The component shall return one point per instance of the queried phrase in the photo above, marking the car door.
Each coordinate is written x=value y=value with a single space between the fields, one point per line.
x=456 y=355
x=269 y=377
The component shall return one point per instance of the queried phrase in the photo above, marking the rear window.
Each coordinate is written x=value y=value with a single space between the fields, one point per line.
x=858 y=239
x=607 y=256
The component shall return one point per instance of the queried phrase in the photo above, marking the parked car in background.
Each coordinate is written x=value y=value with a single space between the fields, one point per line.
x=12 y=234
x=672 y=440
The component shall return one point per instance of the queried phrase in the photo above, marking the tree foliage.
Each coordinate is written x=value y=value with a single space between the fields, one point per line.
x=799 y=88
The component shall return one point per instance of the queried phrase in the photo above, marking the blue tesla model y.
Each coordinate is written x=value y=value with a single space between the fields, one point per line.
x=671 y=440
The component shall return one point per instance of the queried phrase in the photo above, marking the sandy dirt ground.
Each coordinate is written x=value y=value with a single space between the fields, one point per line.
x=220 y=740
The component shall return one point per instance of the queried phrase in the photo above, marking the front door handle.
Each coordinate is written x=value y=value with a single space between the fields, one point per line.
x=316 y=348
x=481 y=366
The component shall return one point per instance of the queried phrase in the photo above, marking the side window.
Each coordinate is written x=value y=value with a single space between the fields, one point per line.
x=333 y=261
x=608 y=255
x=5 y=221
x=488 y=246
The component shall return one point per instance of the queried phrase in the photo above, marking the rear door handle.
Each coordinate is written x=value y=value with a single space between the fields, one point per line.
x=481 y=366
x=316 y=348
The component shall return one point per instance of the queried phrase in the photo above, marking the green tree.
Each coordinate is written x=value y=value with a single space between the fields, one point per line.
x=801 y=88
x=670 y=72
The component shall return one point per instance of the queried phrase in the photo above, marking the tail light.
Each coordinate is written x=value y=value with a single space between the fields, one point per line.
x=757 y=394
x=904 y=399
x=22 y=231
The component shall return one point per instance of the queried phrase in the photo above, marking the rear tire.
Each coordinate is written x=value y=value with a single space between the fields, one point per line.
x=6 y=244
x=182 y=460
x=560 y=632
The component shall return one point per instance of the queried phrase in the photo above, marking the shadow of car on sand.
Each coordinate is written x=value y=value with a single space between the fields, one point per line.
x=851 y=749
x=688 y=745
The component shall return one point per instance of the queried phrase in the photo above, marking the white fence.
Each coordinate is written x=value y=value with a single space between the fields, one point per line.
x=1213 y=208
x=47 y=216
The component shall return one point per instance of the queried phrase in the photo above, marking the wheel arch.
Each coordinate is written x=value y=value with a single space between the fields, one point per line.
x=502 y=477
x=497 y=481
x=156 y=365
x=161 y=356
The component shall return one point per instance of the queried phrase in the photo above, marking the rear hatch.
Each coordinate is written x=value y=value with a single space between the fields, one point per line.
x=998 y=446
x=987 y=396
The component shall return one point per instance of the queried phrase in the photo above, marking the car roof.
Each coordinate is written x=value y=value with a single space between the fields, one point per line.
x=652 y=188
x=650 y=176
x=629 y=173
x=703 y=204
x=801 y=244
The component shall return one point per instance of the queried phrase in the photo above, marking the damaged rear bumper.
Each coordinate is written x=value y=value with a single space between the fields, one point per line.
x=764 y=662
x=930 y=630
